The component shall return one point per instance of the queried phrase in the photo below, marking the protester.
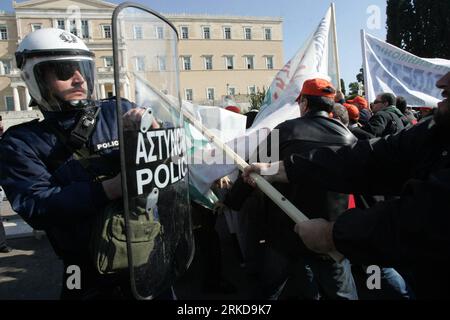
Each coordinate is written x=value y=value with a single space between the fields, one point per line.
x=425 y=112
x=354 y=126
x=408 y=117
x=284 y=257
x=365 y=112
x=411 y=231
x=340 y=113
x=386 y=119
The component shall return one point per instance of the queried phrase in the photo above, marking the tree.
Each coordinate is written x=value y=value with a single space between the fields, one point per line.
x=360 y=76
x=256 y=99
x=354 y=88
x=419 y=26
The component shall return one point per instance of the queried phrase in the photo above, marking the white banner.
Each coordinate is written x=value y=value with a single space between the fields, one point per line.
x=313 y=60
x=391 y=69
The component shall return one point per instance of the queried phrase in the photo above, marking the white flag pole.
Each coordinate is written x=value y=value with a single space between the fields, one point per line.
x=365 y=65
x=335 y=45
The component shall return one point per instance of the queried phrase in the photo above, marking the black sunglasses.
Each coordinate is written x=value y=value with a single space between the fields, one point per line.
x=63 y=70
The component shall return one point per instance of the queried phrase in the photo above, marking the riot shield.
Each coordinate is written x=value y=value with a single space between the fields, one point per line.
x=153 y=150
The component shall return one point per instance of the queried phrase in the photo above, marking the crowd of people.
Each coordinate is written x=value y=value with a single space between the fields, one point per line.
x=372 y=177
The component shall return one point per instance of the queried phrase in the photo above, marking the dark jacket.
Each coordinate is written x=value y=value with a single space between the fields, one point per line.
x=359 y=133
x=60 y=199
x=412 y=231
x=305 y=134
x=384 y=122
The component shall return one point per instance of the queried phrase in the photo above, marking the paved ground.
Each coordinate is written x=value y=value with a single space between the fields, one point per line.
x=32 y=270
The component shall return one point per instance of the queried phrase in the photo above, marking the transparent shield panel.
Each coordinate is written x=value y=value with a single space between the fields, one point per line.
x=159 y=225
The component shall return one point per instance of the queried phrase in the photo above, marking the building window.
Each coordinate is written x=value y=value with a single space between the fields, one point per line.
x=140 y=64
x=248 y=33
x=184 y=33
x=206 y=33
x=159 y=33
x=85 y=29
x=249 y=62
x=252 y=90
x=35 y=26
x=109 y=61
x=231 y=91
x=73 y=27
x=9 y=103
x=210 y=93
x=106 y=31
x=138 y=33
x=162 y=63
x=208 y=63
x=5 y=67
x=227 y=33
x=229 y=63
x=269 y=62
x=61 y=24
x=268 y=33
x=189 y=94
x=3 y=33
x=186 y=62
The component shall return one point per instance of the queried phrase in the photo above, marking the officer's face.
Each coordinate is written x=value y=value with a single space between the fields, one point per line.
x=67 y=84
x=442 y=114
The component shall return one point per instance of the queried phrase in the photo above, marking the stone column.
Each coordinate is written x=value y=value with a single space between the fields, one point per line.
x=27 y=98
x=113 y=89
x=126 y=91
x=102 y=91
x=16 y=99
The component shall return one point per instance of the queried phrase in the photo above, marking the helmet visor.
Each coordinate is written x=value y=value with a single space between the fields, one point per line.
x=61 y=81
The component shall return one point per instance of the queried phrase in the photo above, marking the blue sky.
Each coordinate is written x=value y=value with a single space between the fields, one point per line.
x=300 y=18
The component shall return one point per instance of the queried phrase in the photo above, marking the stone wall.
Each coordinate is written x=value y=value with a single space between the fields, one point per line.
x=11 y=118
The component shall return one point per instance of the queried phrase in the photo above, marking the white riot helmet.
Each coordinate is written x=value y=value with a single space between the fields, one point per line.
x=57 y=53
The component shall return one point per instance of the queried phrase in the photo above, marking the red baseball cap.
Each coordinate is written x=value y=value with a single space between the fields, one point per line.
x=360 y=102
x=353 y=111
x=318 y=87
x=233 y=109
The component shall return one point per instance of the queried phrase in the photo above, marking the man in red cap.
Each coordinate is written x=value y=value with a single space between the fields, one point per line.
x=354 y=125
x=364 y=111
x=286 y=257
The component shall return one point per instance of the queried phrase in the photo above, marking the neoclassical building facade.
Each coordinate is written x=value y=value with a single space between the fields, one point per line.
x=219 y=55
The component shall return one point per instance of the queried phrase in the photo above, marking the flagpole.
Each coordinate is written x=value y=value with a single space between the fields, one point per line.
x=335 y=45
x=293 y=212
x=364 y=59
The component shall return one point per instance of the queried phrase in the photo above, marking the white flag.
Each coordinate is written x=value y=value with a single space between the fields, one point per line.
x=391 y=69
x=313 y=60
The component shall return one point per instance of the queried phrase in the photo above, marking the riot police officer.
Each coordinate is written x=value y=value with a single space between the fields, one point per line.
x=45 y=183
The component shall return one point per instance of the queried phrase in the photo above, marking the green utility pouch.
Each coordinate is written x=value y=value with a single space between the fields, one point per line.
x=108 y=243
